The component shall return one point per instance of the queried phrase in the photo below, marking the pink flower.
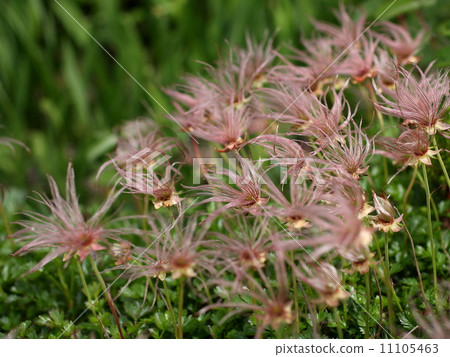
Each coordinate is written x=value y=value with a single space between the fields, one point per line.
x=385 y=219
x=135 y=136
x=422 y=101
x=247 y=246
x=226 y=127
x=409 y=149
x=66 y=231
x=245 y=194
x=400 y=42
x=351 y=155
x=323 y=277
x=318 y=59
x=360 y=61
x=310 y=115
x=272 y=306
x=174 y=249
x=145 y=180
x=347 y=33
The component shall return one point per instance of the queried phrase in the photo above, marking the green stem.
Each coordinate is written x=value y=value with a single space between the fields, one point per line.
x=169 y=306
x=337 y=318
x=430 y=228
x=441 y=162
x=106 y=291
x=294 y=287
x=381 y=121
x=367 y=278
x=64 y=286
x=408 y=190
x=5 y=219
x=180 y=306
x=388 y=286
x=144 y=218
x=88 y=294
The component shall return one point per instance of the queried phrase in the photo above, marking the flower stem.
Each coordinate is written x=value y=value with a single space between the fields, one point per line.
x=430 y=228
x=5 y=219
x=388 y=286
x=108 y=296
x=408 y=190
x=294 y=287
x=180 y=306
x=337 y=318
x=88 y=294
x=367 y=278
x=441 y=162
x=144 y=214
x=170 y=308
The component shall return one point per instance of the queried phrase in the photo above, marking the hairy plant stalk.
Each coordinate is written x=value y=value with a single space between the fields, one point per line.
x=367 y=279
x=64 y=286
x=5 y=219
x=389 y=288
x=430 y=233
x=422 y=290
x=337 y=318
x=144 y=213
x=294 y=287
x=180 y=306
x=441 y=162
x=409 y=188
x=170 y=308
x=88 y=294
x=381 y=121
x=108 y=295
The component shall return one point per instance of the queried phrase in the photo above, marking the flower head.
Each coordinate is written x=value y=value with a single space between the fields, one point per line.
x=409 y=149
x=325 y=280
x=226 y=127
x=385 y=219
x=65 y=231
x=134 y=137
x=419 y=101
x=400 y=42
x=347 y=32
x=350 y=156
x=245 y=194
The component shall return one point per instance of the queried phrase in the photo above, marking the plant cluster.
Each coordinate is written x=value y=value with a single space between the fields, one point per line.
x=288 y=221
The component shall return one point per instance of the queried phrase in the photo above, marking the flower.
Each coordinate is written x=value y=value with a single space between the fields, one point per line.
x=360 y=257
x=350 y=156
x=247 y=195
x=324 y=278
x=422 y=102
x=255 y=60
x=347 y=33
x=360 y=61
x=385 y=219
x=400 y=42
x=410 y=148
x=174 y=250
x=284 y=152
x=349 y=193
x=66 y=231
x=135 y=136
x=226 y=127
x=302 y=205
x=319 y=59
x=141 y=178
x=271 y=307
x=246 y=246
x=307 y=113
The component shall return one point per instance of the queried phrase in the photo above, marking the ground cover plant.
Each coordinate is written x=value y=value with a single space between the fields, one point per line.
x=289 y=191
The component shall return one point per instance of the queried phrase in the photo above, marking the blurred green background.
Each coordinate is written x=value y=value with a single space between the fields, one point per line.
x=62 y=95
